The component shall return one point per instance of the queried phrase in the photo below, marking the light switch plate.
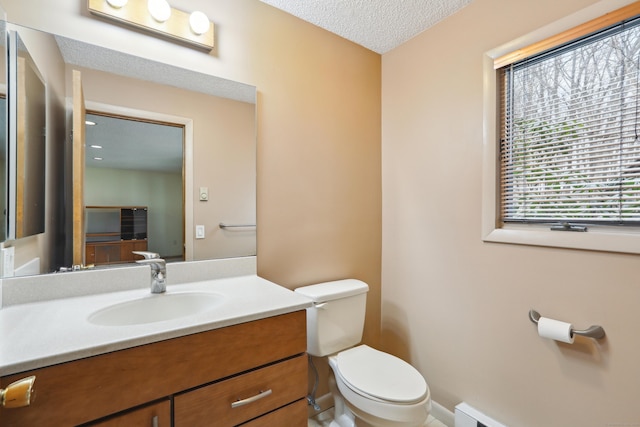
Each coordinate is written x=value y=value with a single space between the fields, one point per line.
x=204 y=194
x=199 y=231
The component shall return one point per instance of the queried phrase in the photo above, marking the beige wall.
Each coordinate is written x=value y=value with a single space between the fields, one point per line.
x=457 y=307
x=319 y=121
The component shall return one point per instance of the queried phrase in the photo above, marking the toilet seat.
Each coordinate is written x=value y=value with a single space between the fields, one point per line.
x=381 y=376
x=367 y=367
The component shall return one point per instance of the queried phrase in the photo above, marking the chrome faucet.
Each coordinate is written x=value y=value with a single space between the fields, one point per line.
x=158 y=270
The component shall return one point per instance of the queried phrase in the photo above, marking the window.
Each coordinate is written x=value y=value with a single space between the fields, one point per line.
x=561 y=125
x=570 y=132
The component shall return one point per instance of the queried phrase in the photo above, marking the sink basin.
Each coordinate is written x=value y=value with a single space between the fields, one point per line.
x=155 y=308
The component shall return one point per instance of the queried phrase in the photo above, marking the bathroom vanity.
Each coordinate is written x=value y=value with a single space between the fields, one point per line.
x=241 y=363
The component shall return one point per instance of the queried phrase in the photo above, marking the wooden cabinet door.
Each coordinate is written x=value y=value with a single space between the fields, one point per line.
x=107 y=253
x=126 y=250
x=90 y=254
x=153 y=415
x=128 y=246
x=139 y=245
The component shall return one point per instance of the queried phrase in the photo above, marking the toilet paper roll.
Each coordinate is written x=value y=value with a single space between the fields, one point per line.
x=555 y=330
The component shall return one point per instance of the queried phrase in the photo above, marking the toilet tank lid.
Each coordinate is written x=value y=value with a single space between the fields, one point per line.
x=328 y=291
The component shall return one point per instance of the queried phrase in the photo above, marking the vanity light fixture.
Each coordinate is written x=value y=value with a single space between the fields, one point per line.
x=158 y=17
x=160 y=10
x=199 y=22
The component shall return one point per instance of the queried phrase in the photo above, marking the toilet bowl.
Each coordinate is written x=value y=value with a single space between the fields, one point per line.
x=367 y=384
x=379 y=388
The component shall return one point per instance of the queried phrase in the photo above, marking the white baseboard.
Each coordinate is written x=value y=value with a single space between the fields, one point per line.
x=442 y=414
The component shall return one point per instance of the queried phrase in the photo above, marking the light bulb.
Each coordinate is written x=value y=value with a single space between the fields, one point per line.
x=159 y=9
x=117 y=3
x=199 y=22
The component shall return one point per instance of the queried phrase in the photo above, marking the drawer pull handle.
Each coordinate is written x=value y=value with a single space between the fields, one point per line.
x=251 y=399
x=18 y=394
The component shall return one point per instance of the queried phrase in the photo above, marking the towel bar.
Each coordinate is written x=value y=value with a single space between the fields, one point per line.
x=223 y=225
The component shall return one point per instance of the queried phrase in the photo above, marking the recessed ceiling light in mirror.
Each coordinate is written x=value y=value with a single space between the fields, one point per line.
x=89 y=123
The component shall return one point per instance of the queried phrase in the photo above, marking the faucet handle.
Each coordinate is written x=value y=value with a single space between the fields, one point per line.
x=147 y=254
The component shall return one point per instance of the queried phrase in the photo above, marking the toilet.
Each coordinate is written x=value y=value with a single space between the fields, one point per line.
x=367 y=384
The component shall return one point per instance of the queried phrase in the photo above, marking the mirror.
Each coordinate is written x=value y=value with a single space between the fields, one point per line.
x=4 y=129
x=217 y=117
x=26 y=170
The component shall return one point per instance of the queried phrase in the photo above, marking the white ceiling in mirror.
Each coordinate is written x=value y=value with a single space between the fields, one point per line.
x=378 y=25
x=118 y=143
x=76 y=52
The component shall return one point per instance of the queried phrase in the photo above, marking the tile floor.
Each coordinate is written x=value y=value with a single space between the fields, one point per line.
x=323 y=419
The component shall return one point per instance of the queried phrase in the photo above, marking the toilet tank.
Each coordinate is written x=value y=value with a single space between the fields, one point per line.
x=336 y=320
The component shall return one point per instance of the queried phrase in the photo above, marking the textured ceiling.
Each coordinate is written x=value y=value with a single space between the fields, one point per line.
x=378 y=25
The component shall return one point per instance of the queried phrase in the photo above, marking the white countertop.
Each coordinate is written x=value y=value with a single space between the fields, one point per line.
x=40 y=334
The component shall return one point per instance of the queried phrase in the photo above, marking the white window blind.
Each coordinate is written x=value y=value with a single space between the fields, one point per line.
x=569 y=137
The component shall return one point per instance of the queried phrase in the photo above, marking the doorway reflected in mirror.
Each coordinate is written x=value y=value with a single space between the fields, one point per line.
x=133 y=167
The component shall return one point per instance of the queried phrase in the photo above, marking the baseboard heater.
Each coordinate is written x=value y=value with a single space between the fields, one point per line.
x=466 y=416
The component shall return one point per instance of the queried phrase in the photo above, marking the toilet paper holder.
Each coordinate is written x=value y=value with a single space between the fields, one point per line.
x=594 y=331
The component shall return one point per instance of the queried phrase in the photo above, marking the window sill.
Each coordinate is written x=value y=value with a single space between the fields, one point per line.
x=596 y=239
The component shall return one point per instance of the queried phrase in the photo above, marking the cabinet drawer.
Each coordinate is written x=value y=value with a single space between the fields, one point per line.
x=251 y=394
x=154 y=415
